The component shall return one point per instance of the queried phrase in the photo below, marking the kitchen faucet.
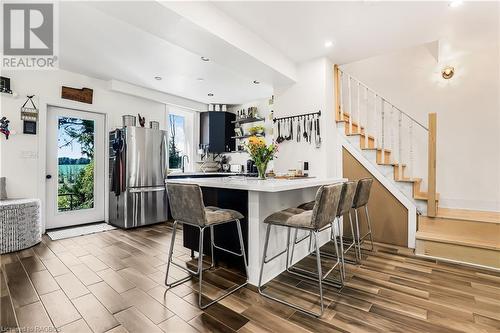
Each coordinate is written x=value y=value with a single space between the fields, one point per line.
x=183 y=158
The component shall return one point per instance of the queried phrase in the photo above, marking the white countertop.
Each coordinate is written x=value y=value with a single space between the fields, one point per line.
x=254 y=184
x=201 y=173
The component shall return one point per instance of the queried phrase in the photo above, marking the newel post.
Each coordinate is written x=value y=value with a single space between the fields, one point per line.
x=336 y=85
x=431 y=201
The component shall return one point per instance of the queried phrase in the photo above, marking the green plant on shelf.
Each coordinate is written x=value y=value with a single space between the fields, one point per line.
x=256 y=130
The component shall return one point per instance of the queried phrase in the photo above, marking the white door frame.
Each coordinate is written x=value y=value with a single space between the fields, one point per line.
x=42 y=149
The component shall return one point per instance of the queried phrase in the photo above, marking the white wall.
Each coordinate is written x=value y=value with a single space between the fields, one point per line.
x=468 y=110
x=312 y=92
x=22 y=157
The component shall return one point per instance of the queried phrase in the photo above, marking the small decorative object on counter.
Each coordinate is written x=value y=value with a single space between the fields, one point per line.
x=261 y=154
x=4 y=127
x=142 y=120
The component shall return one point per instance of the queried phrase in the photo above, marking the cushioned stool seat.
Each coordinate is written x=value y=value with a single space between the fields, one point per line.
x=291 y=217
x=218 y=215
x=307 y=206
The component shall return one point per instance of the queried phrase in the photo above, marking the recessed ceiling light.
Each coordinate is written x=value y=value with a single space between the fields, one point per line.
x=210 y=94
x=205 y=59
x=200 y=79
x=455 y=3
x=256 y=82
x=328 y=43
x=158 y=78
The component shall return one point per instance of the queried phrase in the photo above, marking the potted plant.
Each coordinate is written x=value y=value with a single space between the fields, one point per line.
x=261 y=154
x=258 y=129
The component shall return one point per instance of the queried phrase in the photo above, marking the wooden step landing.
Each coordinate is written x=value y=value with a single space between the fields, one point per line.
x=467 y=236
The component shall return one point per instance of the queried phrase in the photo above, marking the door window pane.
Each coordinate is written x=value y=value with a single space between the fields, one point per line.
x=177 y=141
x=75 y=142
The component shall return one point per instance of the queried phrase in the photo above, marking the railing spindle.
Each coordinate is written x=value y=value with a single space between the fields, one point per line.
x=411 y=148
x=383 y=128
x=349 y=96
x=367 y=127
x=358 y=115
x=400 y=146
x=341 y=96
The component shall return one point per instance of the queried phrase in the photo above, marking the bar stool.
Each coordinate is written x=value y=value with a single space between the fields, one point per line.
x=315 y=220
x=361 y=200
x=344 y=207
x=186 y=203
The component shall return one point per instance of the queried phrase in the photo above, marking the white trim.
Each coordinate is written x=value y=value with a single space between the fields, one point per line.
x=465 y=263
x=157 y=96
x=42 y=146
x=409 y=205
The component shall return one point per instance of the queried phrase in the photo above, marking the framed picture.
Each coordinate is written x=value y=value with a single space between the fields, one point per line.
x=29 y=127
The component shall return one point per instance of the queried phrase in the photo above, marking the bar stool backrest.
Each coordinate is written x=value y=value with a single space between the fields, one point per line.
x=325 y=205
x=362 y=192
x=347 y=197
x=186 y=203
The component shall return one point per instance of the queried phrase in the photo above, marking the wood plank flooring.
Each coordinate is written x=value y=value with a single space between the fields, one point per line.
x=114 y=282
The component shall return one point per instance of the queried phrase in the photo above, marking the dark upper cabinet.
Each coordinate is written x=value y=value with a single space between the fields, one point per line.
x=216 y=130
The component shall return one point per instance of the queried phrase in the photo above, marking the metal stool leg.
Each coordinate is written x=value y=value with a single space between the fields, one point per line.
x=341 y=248
x=265 y=260
x=172 y=241
x=212 y=246
x=320 y=274
x=200 y=266
x=369 y=225
x=358 y=237
x=200 y=270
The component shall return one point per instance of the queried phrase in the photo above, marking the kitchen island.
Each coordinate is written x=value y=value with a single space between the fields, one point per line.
x=256 y=199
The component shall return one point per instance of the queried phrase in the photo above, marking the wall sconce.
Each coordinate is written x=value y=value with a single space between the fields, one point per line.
x=447 y=72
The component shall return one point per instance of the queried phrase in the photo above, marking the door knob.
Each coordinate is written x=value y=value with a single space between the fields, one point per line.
x=48 y=176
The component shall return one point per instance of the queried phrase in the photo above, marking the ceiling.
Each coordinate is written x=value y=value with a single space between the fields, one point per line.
x=135 y=41
x=106 y=41
x=362 y=29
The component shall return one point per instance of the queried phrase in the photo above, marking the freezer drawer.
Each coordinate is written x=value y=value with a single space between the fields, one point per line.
x=138 y=207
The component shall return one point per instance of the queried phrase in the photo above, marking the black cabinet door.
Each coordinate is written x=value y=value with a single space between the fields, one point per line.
x=216 y=129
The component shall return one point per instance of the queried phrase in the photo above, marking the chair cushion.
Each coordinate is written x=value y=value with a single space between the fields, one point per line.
x=307 y=205
x=218 y=215
x=291 y=217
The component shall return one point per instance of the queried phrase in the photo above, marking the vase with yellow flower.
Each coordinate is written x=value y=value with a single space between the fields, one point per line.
x=260 y=153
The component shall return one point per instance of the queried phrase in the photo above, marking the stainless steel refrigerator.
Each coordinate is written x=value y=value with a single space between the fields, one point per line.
x=137 y=170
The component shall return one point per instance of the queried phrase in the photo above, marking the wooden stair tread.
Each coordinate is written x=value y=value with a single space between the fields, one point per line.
x=469 y=215
x=459 y=240
x=409 y=180
x=361 y=134
x=378 y=149
x=424 y=196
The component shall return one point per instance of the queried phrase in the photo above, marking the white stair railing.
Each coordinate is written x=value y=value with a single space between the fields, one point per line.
x=397 y=135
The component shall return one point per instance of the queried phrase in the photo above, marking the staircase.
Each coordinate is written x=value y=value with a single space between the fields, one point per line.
x=386 y=137
x=391 y=143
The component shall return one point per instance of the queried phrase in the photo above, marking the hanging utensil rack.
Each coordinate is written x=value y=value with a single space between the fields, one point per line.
x=299 y=116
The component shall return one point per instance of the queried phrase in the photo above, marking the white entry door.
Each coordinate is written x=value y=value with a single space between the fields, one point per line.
x=75 y=167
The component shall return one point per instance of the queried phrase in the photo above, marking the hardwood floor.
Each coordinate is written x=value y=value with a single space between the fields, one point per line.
x=113 y=282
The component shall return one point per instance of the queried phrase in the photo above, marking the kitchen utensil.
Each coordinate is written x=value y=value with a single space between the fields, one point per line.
x=291 y=130
x=280 y=138
x=305 y=129
x=310 y=130
x=299 y=133
x=318 y=140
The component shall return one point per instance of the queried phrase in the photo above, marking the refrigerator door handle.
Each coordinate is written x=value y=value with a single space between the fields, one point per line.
x=163 y=156
x=146 y=189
